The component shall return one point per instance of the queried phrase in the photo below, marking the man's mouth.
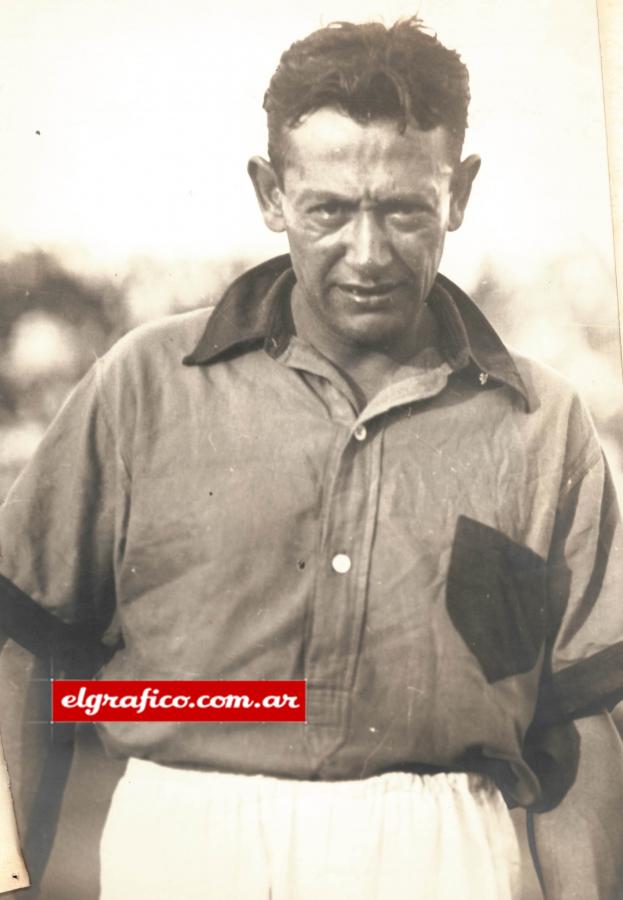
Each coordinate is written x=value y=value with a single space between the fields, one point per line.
x=369 y=291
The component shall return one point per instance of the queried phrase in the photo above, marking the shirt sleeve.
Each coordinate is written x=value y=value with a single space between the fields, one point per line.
x=59 y=535
x=584 y=668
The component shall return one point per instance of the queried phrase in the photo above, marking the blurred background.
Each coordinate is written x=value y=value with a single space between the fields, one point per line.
x=125 y=127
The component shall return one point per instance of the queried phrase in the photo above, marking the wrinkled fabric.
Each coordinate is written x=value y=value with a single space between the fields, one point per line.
x=393 y=837
x=189 y=516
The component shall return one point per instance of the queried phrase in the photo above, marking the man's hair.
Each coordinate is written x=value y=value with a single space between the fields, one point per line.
x=368 y=72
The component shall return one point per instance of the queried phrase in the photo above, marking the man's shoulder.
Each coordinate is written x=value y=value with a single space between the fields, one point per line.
x=159 y=343
x=540 y=384
x=548 y=387
x=559 y=411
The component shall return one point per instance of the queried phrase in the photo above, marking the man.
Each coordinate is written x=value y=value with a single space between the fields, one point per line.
x=351 y=480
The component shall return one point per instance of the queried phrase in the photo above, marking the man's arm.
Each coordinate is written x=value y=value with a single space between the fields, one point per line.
x=579 y=843
x=57 y=539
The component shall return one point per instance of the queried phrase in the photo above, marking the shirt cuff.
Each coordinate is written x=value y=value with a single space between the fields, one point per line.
x=583 y=687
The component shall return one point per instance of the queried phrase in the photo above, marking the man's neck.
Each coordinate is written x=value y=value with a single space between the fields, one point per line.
x=368 y=370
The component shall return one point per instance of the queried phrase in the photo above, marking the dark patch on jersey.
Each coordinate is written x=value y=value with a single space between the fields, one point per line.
x=495 y=597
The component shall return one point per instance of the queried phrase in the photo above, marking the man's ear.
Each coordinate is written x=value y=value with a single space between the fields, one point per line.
x=462 y=181
x=268 y=192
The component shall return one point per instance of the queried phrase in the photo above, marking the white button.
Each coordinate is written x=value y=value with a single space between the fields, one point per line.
x=483 y=378
x=341 y=563
x=360 y=433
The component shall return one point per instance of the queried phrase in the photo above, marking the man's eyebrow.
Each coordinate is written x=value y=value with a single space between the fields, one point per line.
x=427 y=199
x=420 y=198
x=319 y=196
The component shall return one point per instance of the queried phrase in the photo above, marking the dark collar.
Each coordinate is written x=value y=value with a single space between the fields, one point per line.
x=254 y=312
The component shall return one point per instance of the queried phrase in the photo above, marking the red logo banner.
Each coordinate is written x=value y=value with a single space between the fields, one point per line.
x=178 y=701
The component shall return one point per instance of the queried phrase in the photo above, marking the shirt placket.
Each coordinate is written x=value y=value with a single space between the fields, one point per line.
x=339 y=603
x=348 y=519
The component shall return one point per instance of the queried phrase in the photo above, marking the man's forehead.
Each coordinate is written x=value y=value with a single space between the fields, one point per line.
x=328 y=140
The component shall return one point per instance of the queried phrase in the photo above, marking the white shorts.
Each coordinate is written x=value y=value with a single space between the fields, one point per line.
x=177 y=834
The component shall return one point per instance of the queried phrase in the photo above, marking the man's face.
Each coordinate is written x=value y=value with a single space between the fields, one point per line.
x=366 y=210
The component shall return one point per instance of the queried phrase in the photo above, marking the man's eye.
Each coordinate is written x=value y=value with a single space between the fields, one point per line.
x=407 y=212
x=329 y=211
x=409 y=216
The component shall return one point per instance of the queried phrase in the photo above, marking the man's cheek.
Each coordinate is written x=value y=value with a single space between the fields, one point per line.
x=420 y=253
x=305 y=230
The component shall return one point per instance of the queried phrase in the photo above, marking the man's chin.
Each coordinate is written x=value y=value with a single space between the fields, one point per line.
x=373 y=336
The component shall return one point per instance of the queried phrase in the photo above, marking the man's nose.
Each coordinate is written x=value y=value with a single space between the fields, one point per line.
x=368 y=248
